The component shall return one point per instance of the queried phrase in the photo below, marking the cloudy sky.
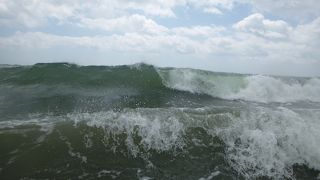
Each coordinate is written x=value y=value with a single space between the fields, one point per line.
x=247 y=36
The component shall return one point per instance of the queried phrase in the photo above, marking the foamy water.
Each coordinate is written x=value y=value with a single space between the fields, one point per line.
x=257 y=88
x=142 y=122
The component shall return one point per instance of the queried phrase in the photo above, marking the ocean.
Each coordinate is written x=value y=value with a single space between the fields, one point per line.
x=64 y=121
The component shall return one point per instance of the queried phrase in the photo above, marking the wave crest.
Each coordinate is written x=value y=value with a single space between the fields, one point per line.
x=258 y=88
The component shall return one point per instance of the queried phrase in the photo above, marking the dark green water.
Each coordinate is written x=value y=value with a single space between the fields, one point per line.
x=63 y=121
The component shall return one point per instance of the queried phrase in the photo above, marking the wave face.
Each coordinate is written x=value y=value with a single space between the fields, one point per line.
x=257 y=88
x=144 y=122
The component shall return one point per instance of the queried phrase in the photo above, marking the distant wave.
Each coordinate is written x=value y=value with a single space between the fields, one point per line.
x=259 y=88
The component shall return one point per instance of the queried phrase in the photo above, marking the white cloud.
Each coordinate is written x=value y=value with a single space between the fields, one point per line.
x=140 y=24
x=131 y=27
x=253 y=38
x=300 y=10
x=256 y=23
x=212 y=10
x=126 y=42
x=31 y=13
x=162 y=8
x=199 y=31
x=278 y=41
x=34 y=13
x=308 y=33
x=125 y=24
x=212 y=6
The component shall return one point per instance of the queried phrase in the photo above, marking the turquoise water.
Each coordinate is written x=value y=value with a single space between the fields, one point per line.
x=61 y=121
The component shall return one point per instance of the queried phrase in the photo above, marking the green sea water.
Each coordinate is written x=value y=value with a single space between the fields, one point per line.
x=64 y=121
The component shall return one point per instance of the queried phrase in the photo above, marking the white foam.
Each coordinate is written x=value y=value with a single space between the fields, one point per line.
x=269 y=89
x=141 y=176
x=197 y=81
x=87 y=140
x=114 y=174
x=71 y=150
x=260 y=141
x=157 y=130
x=211 y=176
x=257 y=88
x=45 y=124
x=268 y=142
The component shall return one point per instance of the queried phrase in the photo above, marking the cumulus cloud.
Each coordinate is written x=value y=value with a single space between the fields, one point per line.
x=277 y=40
x=258 y=24
x=132 y=23
x=31 y=13
x=199 y=31
x=212 y=6
x=308 y=33
x=34 y=13
x=133 y=26
x=290 y=9
x=254 y=37
x=125 y=42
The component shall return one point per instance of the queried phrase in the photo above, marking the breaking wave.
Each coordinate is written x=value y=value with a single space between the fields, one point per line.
x=160 y=123
x=142 y=77
x=258 y=141
x=259 y=88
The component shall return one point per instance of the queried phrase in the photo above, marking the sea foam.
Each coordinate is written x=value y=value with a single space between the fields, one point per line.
x=259 y=140
x=258 y=88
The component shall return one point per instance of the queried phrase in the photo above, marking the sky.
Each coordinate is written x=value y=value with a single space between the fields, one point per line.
x=279 y=37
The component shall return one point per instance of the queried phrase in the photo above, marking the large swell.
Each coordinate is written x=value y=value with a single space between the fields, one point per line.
x=143 y=122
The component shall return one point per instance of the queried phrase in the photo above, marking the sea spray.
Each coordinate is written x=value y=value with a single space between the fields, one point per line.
x=131 y=122
x=259 y=88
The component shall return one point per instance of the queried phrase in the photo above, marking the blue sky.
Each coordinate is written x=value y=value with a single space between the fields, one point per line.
x=280 y=37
